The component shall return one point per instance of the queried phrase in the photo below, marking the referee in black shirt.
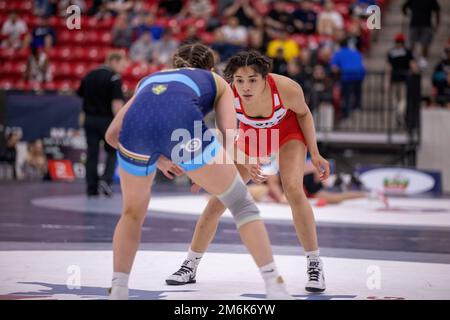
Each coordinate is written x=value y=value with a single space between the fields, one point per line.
x=101 y=91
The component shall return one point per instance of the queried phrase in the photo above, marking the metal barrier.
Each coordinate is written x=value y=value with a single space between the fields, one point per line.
x=374 y=127
x=375 y=115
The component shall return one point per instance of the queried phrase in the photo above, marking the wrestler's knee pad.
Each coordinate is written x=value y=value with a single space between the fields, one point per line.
x=239 y=201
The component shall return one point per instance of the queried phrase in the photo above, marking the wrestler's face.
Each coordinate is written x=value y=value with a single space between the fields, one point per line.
x=248 y=83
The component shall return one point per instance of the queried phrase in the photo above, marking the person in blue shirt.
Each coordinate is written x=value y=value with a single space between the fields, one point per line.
x=149 y=25
x=43 y=35
x=349 y=64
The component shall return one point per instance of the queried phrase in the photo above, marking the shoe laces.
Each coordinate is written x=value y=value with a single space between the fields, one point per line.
x=314 y=270
x=184 y=269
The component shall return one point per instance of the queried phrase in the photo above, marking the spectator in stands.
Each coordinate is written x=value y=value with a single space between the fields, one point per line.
x=296 y=73
x=64 y=4
x=199 y=9
x=420 y=27
x=279 y=17
x=98 y=6
x=191 y=35
x=9 y=154
x=329 y=20
x=349 y=64
x=323 y=57
x=400 y=60
x=256 y=39
x=165 y=48
x=14 y=31
x=101 y=90
x=321 y=88
x=224 y=49
x=45 y=8
x=339 y=36
x=170 y=8
x=354 y=33
x=118 y=6
x=148 y=24
x=279 y=64
x=306 y=62
x=289 y=46
x=35 y=165
x=43 y=35
x=249 y=18
x=142 y=49
x=244 y=11
x=305 y=18
x=441 y=71
x=234 y=33
x=359 y=7
x=38 y=67
x=104 y=9
x=122 y=32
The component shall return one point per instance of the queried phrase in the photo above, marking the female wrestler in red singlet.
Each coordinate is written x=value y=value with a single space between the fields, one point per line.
x=268 y=103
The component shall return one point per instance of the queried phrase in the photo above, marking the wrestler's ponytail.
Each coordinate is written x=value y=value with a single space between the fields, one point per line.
x=194 y=55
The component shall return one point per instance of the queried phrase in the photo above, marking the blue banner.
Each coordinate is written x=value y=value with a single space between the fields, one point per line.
x=36 y=115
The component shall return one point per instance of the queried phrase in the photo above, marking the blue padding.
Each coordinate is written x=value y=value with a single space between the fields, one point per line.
x=165 y=78
x=141 y=171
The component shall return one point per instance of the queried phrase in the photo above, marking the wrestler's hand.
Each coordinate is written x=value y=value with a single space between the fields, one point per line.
x=322 y=166
x=168 y=168
x=256 y=173
x=195 y=188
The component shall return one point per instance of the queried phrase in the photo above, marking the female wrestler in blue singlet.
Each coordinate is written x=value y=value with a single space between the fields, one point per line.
x=164 y=120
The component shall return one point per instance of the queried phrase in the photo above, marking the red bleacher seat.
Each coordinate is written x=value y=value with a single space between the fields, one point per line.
x=300 y=39
x=343 y=10
x=62 y=70
x=65 y=85
x=65 y=37
x=6 y=68
x=19 y=67
x=32 y=21
x=13 y=69
x=6 y=53
x=105 y=38
x=51 y=86
x=92 y=37
x=207 y=37
x=79 y=53
x=3 y=17
x=80 y=70
x=19 y=6
x=105 y=24
x=94 y=54
x=21 y=84
x=79 y=38
x=64 y=53
x=6 y=84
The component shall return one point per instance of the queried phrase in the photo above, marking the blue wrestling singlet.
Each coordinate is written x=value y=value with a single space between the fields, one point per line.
x=166 y=118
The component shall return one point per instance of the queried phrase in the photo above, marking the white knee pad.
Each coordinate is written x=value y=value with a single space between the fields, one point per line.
x=239 y=201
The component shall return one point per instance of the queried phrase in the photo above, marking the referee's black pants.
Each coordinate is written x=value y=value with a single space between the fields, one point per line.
x=95 y=128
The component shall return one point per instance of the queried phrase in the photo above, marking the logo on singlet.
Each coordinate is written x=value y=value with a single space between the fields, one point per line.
x=159 y=88
x=193 y=145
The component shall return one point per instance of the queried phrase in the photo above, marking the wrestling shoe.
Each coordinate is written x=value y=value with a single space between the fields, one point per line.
x=184 y=275
x=316 y=278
